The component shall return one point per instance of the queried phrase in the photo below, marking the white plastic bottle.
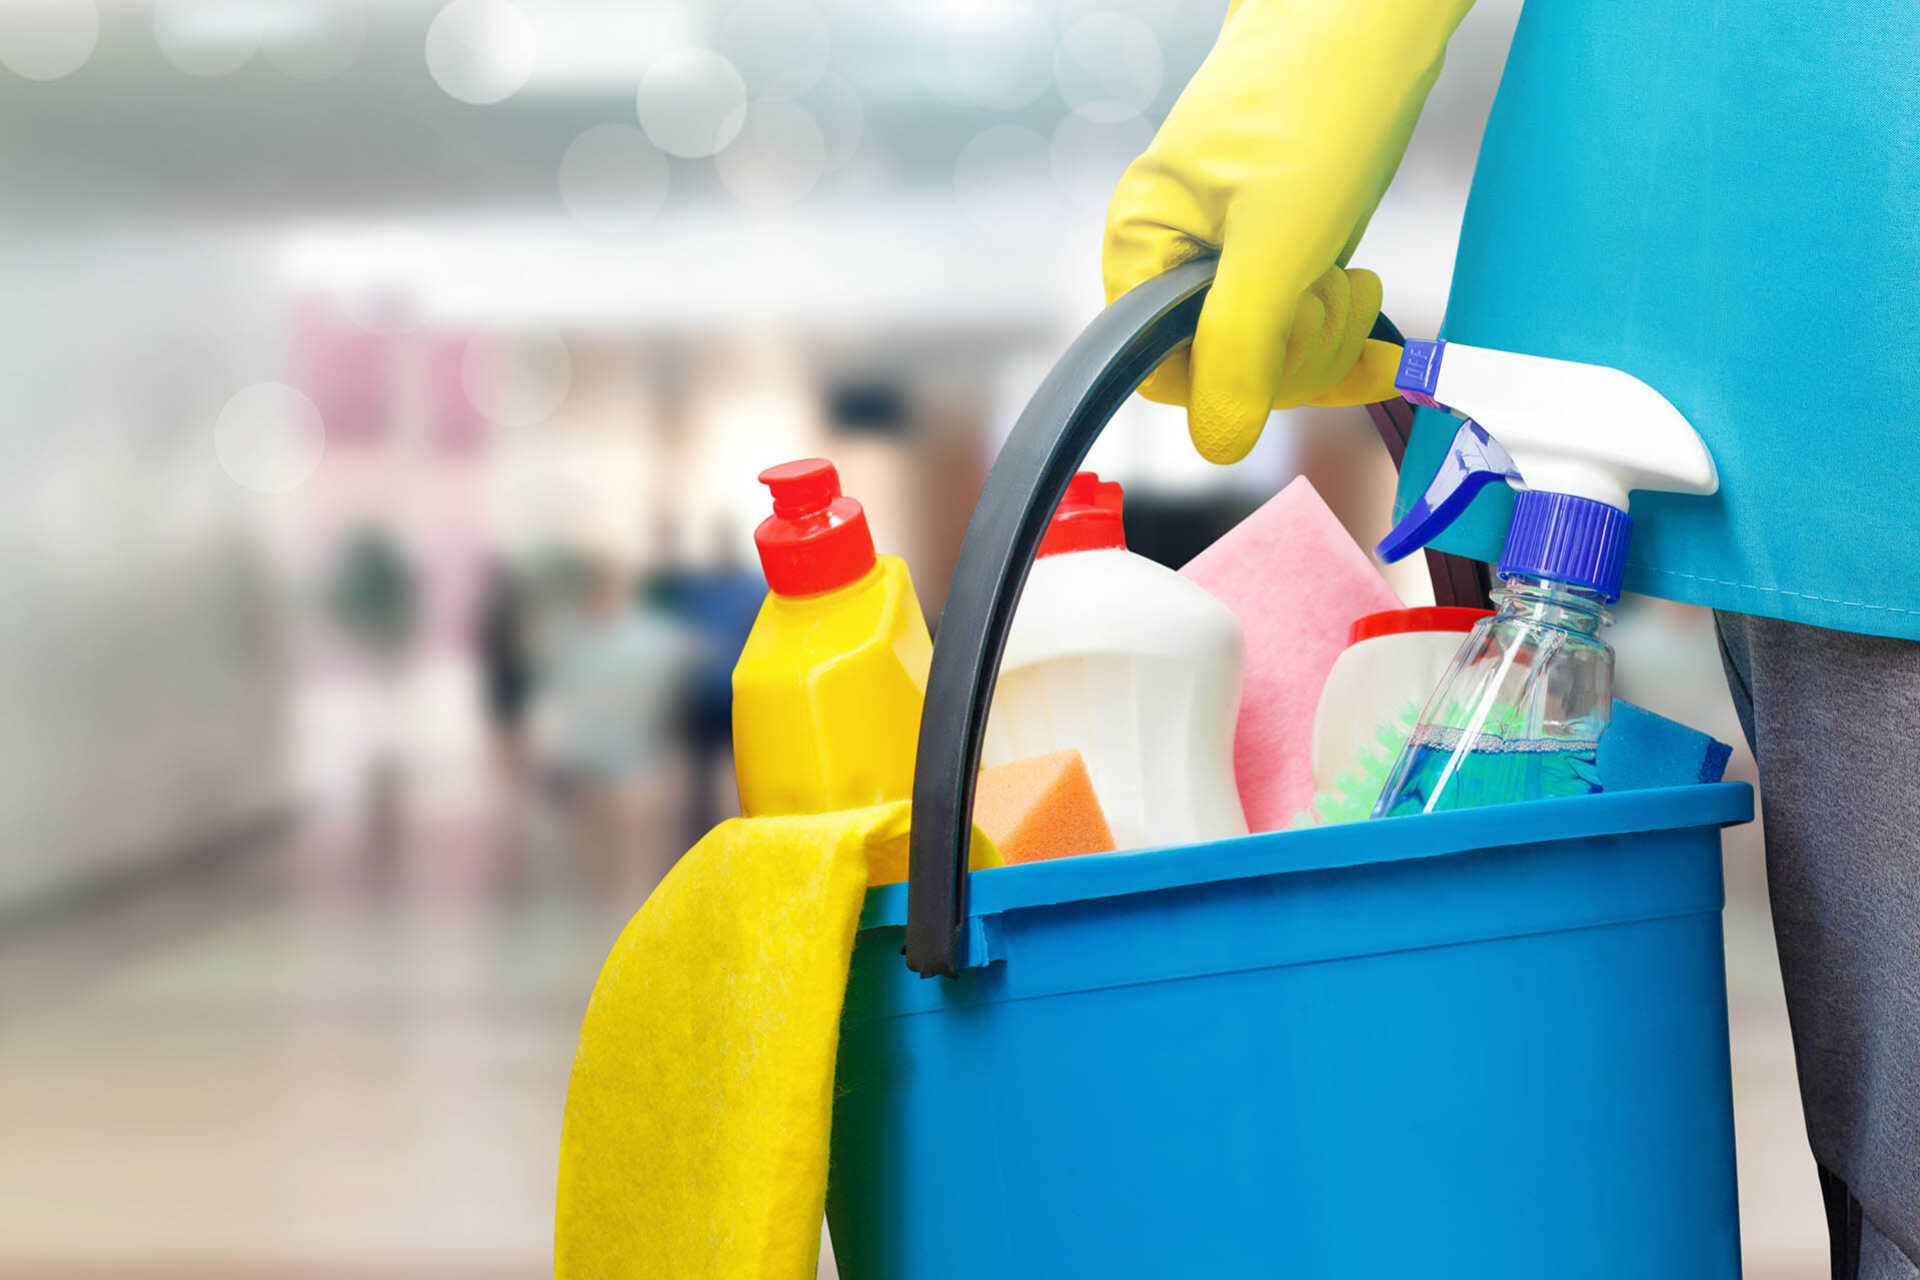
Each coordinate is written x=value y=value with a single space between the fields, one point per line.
x=1380 y=682
x=1131 y=665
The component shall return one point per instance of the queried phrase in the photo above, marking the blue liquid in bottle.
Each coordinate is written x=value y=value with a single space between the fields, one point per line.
x=1519 y=714
x=1493 y=771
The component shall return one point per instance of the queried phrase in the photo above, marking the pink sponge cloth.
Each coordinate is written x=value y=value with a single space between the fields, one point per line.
x=1043 y=807
x=1296 y=581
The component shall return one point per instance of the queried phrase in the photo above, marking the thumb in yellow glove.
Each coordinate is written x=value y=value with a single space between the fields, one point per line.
x=1274 y=158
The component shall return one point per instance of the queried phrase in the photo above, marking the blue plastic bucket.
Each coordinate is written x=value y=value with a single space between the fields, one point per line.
x=1488 y=1044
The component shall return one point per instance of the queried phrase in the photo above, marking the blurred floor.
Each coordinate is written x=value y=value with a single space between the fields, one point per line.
x=303 y=1062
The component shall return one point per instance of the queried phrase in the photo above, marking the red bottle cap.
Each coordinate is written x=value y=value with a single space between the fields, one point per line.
x=1087 y=519
x=816 y=539
x=1396 y=622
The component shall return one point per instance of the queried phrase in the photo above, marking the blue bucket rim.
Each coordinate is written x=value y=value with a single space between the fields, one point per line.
x=1351 y=844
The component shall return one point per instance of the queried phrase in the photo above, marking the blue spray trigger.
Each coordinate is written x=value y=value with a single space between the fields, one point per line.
x=1473 y=461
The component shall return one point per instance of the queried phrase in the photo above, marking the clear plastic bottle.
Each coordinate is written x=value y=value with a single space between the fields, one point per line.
x=1519 y=714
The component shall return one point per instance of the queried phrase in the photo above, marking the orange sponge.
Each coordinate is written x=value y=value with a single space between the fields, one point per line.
x=1043 y=807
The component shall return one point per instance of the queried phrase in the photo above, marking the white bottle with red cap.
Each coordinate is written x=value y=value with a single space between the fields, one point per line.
x=1380 y=681
x=1131 y=665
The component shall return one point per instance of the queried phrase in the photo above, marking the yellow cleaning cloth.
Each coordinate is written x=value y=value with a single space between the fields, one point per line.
x=695 y=1140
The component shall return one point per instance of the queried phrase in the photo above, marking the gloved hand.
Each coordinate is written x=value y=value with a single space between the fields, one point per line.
x=1274 y=157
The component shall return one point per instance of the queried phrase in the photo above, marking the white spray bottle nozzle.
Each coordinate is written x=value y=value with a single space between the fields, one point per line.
x=1581 y=429
x=1574 y=438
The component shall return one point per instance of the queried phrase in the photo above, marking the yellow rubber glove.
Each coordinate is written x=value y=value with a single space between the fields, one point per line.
x=1274 y=158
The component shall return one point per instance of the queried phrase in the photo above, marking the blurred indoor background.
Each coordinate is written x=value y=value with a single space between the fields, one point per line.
x=384 y=389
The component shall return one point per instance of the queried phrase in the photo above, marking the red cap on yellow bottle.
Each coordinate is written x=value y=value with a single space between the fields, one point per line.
x=817 y=538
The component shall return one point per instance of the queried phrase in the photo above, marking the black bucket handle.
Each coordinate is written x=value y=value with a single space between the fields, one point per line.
x=1109 y=359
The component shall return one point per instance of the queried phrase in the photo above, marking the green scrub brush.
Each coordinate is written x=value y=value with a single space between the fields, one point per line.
x=1350 y=796
x=1356 y=788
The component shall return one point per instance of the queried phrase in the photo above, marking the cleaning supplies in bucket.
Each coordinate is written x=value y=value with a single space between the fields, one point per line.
x=1372 y=700
x=1129 y=664
x=1296 y=581
x=1434 y=1047
x=826 y=695
x=1521 y=710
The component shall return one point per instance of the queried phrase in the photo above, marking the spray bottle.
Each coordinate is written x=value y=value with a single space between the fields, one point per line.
x=1519 y=713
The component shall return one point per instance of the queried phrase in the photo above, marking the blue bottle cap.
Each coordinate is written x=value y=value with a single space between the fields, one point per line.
x=1567 y=539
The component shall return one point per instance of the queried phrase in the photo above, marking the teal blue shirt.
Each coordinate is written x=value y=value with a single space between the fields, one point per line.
x=1721 y=197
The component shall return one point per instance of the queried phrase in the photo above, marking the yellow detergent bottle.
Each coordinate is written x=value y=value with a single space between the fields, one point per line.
x=826 y=696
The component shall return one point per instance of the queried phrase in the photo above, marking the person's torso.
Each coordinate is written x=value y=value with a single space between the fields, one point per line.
x=1721 y=198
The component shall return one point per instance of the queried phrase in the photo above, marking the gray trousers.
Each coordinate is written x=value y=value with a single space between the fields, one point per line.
x=1834 y=721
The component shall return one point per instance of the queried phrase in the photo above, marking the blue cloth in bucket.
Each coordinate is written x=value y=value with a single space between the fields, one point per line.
x=1641 y=749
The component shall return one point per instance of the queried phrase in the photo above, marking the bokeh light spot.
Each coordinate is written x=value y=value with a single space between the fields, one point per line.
x=517 y=381
x=1006 y=60
x=270 y=438
x=206 y=38
x=612 y=179
x=322 y=42
x=835 y=107
x=47 y=39
x=1108 y=67
x=779 y=47
x=692 y=103
x=480 y=51
x=777 y=158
